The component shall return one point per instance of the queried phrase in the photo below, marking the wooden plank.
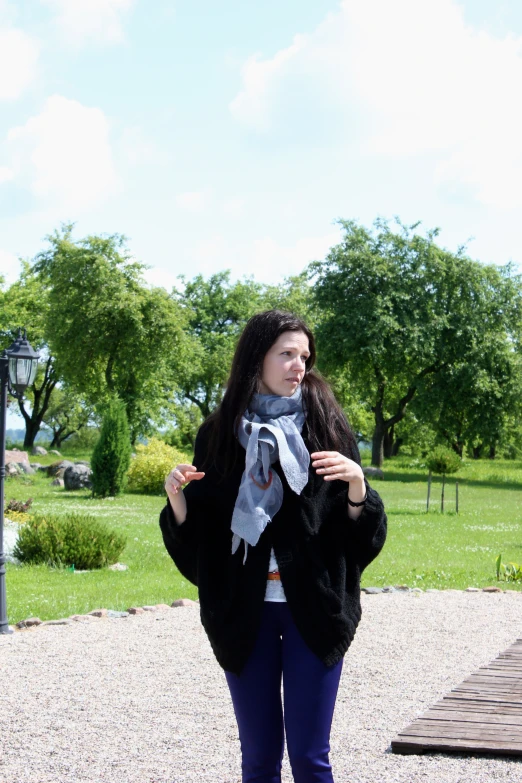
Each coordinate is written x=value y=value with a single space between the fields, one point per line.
x=482 y=714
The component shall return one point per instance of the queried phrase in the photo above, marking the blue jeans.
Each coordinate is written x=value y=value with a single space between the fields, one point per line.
x=310 y=690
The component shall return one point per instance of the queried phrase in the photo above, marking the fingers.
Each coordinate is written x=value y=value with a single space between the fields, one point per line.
x=180 y=475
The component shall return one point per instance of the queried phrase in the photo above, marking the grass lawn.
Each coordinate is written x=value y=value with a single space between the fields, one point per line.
x=423 y=549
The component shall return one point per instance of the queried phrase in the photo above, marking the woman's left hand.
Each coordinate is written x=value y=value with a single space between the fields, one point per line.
x=334 y=466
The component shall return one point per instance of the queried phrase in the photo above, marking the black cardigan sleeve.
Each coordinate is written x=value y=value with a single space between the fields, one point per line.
x=182 y=541
x=369 y=529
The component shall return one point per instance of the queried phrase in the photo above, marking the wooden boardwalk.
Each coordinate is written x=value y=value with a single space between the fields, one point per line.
x=482 y=715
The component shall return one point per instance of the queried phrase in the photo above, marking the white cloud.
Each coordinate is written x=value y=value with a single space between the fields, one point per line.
x=18 y=58
x=403 y=79
x=6 y=174
x=63 y=155
x=266 y=259
x=233 y=208
x=88 y=21
x=9 y=266
x=137 y=149
x=193 y=201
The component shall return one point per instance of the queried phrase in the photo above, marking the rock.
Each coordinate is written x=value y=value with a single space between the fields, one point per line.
x=29 y=623
x=136 y=610
x=372 y=590
x=162 y=607
x=417 y=590
x=99 y=612
x=115 y=614
x=15 y=455
x=36 y=465
x=12 y=469
x=58 y=482
x=63 y=621
x=183 y=602
x=373 y=473
x=39 y=451
x=492 y=589
x=432 y=590
x=26 y=468
x=389 y=589
x=57 y=469
x=402 y=588
x=82 y=462
x=118 y=567
x=53 y=451
x=83 y=617
x=149 y=608
x=472 y=590
x=77 y=477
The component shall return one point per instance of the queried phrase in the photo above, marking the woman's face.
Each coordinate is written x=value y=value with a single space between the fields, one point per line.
x=284 y=364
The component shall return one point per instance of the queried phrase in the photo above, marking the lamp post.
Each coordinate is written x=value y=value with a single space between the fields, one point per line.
x=17 y=371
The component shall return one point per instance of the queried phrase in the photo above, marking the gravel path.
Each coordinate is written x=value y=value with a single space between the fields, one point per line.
x=142 y=699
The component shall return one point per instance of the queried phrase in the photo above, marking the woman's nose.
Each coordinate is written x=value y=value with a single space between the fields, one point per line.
x=298 y=364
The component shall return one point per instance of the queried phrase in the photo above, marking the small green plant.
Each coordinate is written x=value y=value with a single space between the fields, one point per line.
x=74 y=539
x=151 y=465
x=112 y=453
x=512 y=572
x=19 y=506
x=443 y=460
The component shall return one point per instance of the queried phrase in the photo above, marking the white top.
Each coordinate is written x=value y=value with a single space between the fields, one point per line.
x=274 y=587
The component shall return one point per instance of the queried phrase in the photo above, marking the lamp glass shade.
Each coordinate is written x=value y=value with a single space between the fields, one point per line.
x=22 y=372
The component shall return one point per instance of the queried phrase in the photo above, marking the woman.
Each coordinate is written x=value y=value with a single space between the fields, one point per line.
x=275 y=527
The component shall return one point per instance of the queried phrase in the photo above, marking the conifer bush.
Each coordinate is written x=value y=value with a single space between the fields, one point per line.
x=75 y=539
x=151 y=465
x=112 y=453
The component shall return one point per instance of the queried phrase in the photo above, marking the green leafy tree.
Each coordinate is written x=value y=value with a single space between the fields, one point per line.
x=26 y=304
x=216 y=311
x=397 y=309
x=112 y=334
x=112 y=454
x=67 y=414
x=491 y=380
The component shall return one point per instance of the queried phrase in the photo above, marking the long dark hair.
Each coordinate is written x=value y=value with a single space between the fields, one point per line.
x=326 y=424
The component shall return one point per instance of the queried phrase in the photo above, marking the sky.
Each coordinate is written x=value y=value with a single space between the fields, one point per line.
x=234 y=135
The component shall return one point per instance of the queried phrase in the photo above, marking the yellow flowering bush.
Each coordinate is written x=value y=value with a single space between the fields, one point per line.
x=18 y=516
x=151 y=465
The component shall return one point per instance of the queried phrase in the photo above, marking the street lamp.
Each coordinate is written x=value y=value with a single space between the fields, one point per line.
x=17 y=371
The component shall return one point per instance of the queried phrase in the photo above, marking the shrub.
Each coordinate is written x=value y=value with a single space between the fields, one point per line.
x=75 y=539
x=19 y=506
x=151 y=465
x=111 y=456
x=443 y=460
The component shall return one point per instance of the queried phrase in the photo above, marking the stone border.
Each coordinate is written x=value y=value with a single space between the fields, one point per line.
x=96 y=614
x=406 y=589
x=112 y=614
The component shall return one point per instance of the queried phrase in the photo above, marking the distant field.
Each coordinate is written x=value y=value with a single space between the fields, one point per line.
x=423 y=549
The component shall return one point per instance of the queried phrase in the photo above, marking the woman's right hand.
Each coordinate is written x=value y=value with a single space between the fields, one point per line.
x=180 y=475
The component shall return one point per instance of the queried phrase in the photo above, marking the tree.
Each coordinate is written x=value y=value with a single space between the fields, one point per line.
x=216 y=311
x=26 y=304
x=478 y=418
x=67 y=414
x=111 y=333
x=397 y=309
x=111 y=456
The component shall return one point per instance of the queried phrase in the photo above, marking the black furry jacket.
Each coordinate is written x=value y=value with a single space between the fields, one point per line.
x=320 y=551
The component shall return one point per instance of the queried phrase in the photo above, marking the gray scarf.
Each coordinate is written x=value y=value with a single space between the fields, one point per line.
x=270 y=430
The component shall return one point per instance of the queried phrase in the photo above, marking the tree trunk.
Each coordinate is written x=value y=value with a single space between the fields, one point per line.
x=396 y=446
x=492 y=451
x=388 y=442
x=477 y=451
x=41 y=402
x=457 y=447
x=378 y=446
